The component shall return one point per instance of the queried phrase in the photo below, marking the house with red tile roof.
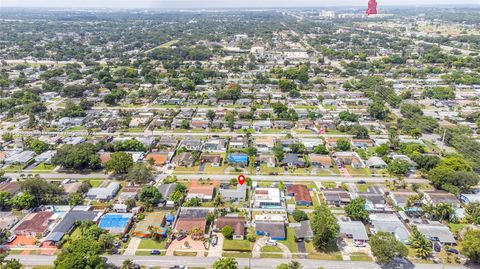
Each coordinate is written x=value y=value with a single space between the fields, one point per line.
x=300 y=193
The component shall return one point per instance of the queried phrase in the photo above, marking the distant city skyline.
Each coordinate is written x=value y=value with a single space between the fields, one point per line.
x=175 y=4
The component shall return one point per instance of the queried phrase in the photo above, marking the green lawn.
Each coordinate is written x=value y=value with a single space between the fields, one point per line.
x=264 y=169
x=237 y=245
x=454 y=227
x=290 y=242
x=185 y=253
x=152 y=244
x=329 y=184
x=270 y=249
x=209 y=169
x=237 y=254
x=271 y=256
x=273 y=131
x=363 y=187
x=15 y=168
x=43 y=168
x=334 y=254
x=360 y=257
x=358 y=172
x=93 y=182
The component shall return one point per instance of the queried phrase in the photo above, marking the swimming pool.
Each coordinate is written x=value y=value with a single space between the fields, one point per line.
x=115 y=222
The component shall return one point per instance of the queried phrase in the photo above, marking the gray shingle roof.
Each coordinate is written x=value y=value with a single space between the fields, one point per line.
x=354 y=228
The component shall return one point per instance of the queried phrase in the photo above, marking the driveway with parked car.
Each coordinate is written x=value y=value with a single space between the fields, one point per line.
x=216 y=245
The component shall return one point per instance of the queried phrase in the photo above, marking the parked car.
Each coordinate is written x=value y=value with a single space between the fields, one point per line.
x=214 y=240
x=155 y=252
x=181 y=236
x=11 y=238
x=361 y=182
x=125 y=238
x=437 y=247
x=270 y=242
x=452 y=250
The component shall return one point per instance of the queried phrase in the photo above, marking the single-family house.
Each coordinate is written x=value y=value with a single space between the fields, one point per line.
x=303 y=231
x=183 y=159
x=268 y=198
x=236 y=194
x=264 y=143
x=390 y=223
x=354 y=230
x=293 y=160
x=103 y=193
x=275 y=230
x=320 y=161
x=336 y=197
x=203 y=191
x=437 y=232
x=376 y=163
x=300 y=193
x=237 y=223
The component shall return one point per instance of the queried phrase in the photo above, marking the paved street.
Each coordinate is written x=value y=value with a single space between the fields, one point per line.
x=164 y=261
x=338 y=178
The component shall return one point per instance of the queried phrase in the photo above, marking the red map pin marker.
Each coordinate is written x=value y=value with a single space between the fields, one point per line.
x=241 y=179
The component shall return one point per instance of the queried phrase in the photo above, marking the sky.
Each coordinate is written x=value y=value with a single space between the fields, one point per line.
x=175 y=4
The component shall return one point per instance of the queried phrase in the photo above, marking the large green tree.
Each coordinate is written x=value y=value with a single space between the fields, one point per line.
x=119 y=163
x=385 y=247
x=356 y=209
x=471 y=245
x=324 y=226
x=139 y=173
x=150 y=195
x=77 y=157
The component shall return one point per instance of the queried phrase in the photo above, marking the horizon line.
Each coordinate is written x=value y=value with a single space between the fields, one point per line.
x=248 y=7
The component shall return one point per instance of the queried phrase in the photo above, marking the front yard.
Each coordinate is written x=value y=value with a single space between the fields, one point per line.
x=237 y=245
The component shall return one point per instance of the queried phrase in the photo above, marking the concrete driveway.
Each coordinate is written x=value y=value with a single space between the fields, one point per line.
x=132 y=246
x=257 y=248
x=192 y=245
x=216 y=251
x=347 y=247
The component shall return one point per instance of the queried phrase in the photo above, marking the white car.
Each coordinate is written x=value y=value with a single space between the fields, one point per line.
x=270 y=242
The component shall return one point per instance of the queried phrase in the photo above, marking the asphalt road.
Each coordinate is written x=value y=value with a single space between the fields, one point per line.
x=224 y=177
x=164 y=261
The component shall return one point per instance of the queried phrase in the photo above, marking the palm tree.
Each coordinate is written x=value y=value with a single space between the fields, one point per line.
x=424 y=248
x=151 y=230
x=445 y=211
x=420 y=243
x=218 y=202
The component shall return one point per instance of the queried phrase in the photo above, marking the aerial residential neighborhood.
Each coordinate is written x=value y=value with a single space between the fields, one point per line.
x=240 y=138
